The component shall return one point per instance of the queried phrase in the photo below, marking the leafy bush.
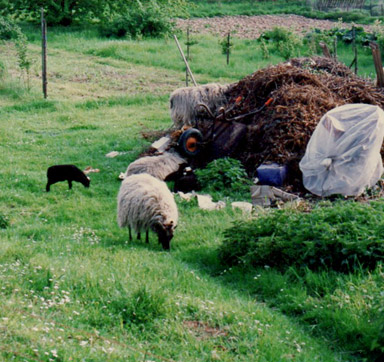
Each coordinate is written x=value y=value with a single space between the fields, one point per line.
x=59 y=12
x=342 y=35
x=225 y=175
x=66 y=12
x=149 y=21
x=341 y=238
x=284 y=41
x=9 y=30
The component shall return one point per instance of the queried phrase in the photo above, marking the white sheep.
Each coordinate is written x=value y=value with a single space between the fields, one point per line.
x=144 y=203
x=161 y=166
x=184 y=102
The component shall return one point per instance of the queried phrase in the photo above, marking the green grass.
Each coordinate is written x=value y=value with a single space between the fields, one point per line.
x=72 y=288
x=161 y=55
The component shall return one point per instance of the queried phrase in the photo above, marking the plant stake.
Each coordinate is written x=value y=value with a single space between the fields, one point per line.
x=185 y=60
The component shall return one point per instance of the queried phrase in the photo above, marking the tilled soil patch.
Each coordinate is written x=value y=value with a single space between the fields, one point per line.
x=250 y=27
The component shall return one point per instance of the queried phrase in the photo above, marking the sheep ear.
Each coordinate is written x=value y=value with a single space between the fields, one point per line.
x=169 y=226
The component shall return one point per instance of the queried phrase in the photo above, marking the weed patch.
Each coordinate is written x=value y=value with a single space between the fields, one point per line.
x=225 y=176
x=143 y=307
x=284 y=42
x=343 y=237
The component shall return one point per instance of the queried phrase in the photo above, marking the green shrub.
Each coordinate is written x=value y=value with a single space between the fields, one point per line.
x=283 y=41
x=67 y=12
x=9 y=30
x=225 y=175
x=341 y=238
x=343 y=35
x=149 y=21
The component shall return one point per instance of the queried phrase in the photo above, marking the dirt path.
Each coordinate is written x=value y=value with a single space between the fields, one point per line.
x=250 y=27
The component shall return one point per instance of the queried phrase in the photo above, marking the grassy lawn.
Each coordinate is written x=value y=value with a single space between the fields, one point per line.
x=72 y=288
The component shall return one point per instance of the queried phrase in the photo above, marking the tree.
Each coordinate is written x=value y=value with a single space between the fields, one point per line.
x=66 y=12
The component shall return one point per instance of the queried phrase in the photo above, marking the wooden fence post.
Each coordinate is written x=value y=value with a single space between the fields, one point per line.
x=44 y=52
x=378 y=64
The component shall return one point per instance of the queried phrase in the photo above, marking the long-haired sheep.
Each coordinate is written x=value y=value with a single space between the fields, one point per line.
x=183 y=102
x=144 y=203
x=161 y=166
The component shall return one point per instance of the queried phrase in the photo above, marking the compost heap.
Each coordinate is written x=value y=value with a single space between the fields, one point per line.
x=303 y=90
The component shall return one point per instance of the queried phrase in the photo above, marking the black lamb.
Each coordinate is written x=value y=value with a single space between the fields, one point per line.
x=68 y=173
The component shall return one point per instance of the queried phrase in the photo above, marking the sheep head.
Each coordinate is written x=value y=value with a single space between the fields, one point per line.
x=165 y=233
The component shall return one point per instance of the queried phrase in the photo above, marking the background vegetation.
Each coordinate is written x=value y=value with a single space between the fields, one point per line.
x=67 y=12
x=71 y=285
x=371 y=11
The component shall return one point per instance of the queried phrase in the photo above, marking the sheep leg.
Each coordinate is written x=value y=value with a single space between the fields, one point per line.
x=49 y=183
x=138 y=236
x=69 y=184
x=130 y=233
x=146 y=237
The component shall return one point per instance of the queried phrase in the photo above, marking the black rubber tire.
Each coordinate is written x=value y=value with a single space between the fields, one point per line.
x=190 y=142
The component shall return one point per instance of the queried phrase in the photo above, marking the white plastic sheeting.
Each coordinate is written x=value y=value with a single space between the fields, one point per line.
x=343 y=154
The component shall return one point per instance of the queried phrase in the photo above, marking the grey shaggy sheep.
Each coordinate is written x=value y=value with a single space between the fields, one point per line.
x=157 y=166
x=183 y=102
x=144 y=203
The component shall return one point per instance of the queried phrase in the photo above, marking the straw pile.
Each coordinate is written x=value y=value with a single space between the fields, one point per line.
x=303 y=90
